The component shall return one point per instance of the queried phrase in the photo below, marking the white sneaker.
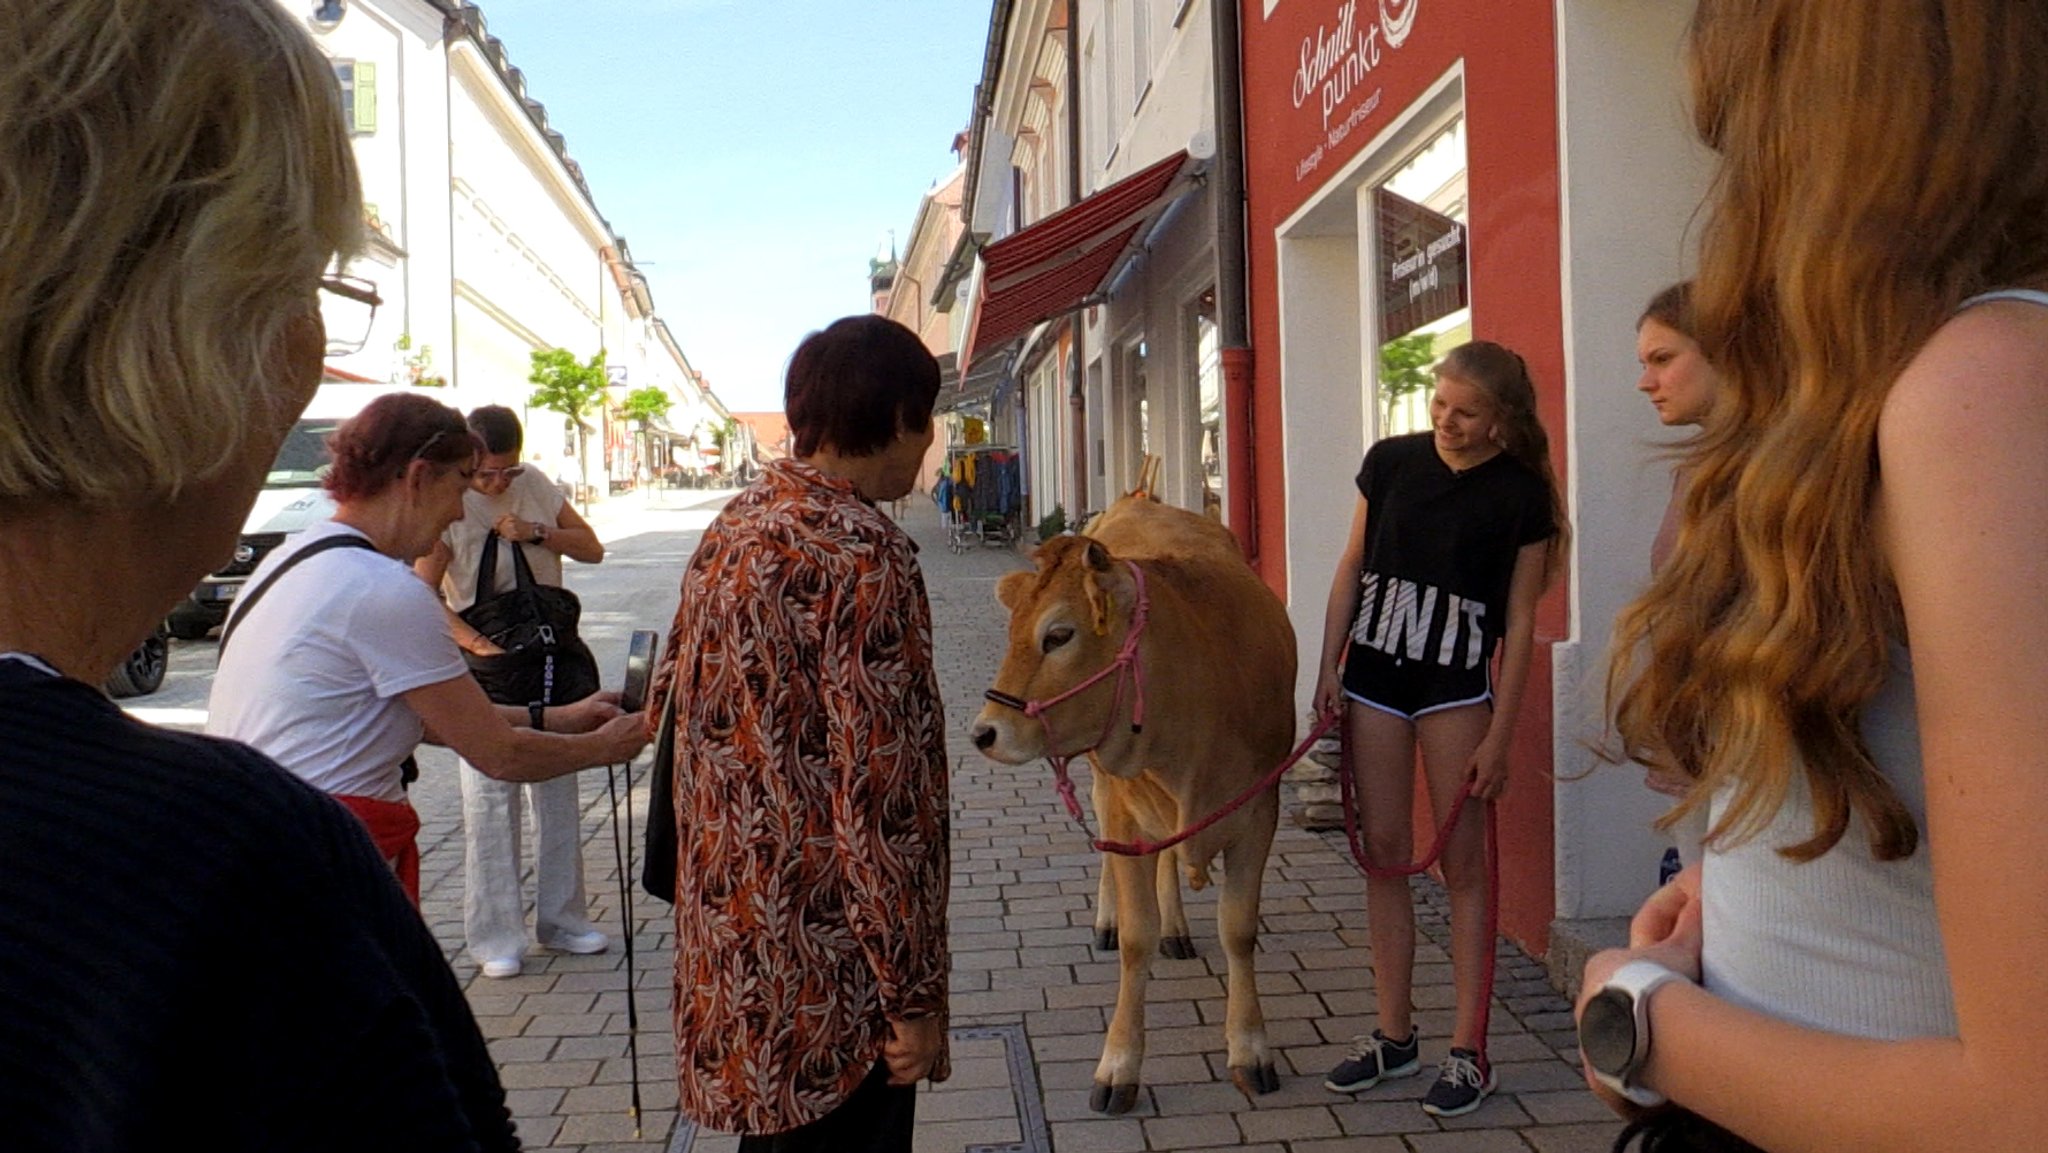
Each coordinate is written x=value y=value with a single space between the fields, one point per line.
x=501 y=967
x=593 y=941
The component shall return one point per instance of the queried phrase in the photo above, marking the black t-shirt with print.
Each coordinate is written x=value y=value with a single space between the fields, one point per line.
x=1440 y=549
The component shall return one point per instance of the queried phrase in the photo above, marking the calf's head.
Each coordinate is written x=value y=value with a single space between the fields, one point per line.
x=1067 y=623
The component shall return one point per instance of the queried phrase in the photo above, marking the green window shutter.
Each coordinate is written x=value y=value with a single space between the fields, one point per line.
x=366 y=97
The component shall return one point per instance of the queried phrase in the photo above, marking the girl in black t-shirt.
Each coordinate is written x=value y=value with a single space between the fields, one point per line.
x=1456 y=534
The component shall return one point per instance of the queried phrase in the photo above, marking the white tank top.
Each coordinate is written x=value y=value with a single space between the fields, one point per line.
x=1845 y=943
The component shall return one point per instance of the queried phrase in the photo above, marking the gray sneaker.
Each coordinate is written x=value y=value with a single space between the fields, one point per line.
x=1461 y=1084
x=1372 y=1060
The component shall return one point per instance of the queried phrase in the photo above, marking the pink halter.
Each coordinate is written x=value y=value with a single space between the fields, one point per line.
x=1125 y=665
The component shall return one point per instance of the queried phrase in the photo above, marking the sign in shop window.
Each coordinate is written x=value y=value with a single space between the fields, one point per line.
x=1422 y=265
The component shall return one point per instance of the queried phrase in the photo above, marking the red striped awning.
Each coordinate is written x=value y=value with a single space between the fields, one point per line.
x=1067 y=260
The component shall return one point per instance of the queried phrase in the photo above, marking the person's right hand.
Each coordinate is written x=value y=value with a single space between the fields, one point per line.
x=912 y=1048
x=1329 y=696
x=622 y=737
x=1671 y=915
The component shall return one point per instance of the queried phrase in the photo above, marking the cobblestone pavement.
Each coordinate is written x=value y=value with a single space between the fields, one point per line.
x=1030 y=994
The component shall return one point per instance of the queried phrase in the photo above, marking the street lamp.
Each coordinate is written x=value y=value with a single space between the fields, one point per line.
x=328 y=13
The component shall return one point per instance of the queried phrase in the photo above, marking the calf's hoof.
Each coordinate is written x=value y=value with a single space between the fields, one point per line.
x=1178 y=948
x=1114 y=1100
x=1255 y=1080
x=1105 y=940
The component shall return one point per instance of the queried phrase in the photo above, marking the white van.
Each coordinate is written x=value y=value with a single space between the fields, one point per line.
x=291 y=499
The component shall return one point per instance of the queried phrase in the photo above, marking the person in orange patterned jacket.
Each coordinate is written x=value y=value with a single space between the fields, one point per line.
x=810 y=774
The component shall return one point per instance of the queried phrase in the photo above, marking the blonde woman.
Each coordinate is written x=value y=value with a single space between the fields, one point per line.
x=1456 y=532
x=1681 y=385
x=198 y=948
x=1849 y=654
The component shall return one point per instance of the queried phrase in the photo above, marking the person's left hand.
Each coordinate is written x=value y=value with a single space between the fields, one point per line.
x=1488 y=770
x=586 y=714
x=913 y=1048
x=513 y=529
x=1667 y=930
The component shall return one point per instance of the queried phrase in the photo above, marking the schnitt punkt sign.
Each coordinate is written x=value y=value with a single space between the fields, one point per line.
x=1336 y=63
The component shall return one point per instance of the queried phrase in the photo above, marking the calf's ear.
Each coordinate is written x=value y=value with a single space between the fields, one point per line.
x=1097 y=590
x=1010 y=590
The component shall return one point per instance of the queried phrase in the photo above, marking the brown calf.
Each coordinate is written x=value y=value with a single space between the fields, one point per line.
x=1216 y=662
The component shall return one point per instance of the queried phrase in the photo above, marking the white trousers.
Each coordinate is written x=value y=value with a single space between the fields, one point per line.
x=493 y=906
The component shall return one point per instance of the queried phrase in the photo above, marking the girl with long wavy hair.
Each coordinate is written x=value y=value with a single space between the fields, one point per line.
x=1456 y=533
x=1847 y=650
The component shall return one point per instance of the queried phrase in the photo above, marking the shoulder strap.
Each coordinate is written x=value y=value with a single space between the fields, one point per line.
x=487 y=569
x=248 y=602
x=2024 y=295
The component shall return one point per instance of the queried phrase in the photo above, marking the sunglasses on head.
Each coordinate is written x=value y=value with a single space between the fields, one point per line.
x=510 y=472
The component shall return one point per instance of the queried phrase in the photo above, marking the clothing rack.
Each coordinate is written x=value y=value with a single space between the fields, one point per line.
x=981 y=495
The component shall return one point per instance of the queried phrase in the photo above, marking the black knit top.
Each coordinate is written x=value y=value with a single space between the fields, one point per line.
x=198 y=950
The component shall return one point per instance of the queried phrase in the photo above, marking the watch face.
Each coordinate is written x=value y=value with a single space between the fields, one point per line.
x=1607 y=1032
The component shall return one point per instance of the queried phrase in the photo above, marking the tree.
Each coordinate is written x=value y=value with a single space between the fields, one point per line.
x=725 y=438
x=646 y=405
x=571 y=389
x=1404 y=370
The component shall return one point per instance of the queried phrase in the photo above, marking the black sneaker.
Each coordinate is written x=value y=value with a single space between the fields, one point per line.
x=1463 y=1082
x=1374 y=1059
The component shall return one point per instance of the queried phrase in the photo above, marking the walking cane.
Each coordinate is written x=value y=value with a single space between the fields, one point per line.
x=632 y=698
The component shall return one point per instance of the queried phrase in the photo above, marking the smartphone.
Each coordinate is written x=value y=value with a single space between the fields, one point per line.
x=640 y=652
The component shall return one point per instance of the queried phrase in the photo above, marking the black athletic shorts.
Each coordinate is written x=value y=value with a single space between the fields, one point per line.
x=1409 y=688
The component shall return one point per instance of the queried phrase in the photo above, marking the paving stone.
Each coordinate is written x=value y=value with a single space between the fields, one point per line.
x=953 y=1136
x=1573 y=1138
x=1564 y=1107
x=1288 y=1124
x=1372 y=1118
x=1475 y=1141
x=1124 y=1135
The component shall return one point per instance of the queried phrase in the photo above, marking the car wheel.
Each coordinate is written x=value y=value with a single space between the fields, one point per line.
x=143 y=672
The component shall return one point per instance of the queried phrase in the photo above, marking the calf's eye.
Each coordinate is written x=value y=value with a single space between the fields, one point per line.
x=1054 y=638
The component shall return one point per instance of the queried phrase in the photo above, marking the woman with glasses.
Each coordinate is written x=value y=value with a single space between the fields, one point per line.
x=337 y=661
x=511 y=506
x=197 y=945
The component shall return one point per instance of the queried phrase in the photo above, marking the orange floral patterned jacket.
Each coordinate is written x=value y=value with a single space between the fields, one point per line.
x=811 y=800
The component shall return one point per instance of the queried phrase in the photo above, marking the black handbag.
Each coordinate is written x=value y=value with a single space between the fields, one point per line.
x=1670 y=1129
x=658 y=865
x=544 y=662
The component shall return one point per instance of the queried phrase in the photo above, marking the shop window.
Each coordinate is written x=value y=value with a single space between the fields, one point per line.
x=1134 y=364
x=1207 y=360
x=1423 y=276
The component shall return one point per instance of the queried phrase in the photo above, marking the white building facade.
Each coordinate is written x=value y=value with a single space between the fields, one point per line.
x=487 y=244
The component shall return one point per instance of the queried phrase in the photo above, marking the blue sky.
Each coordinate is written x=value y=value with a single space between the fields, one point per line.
x=753 y=153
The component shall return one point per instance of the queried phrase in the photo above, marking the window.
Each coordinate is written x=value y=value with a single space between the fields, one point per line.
x=1424 y=312
x=358 y=79
x=1141 y=50
x=1208 y=366
x=1112 y=86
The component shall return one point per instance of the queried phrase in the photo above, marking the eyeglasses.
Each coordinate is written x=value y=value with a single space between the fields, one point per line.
x=512 y=472
x=348 y=306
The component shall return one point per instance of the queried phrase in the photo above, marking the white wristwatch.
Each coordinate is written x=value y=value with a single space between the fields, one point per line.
x=1614 y=1029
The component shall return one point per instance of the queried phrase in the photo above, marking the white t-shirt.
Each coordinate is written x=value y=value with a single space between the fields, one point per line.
x=528 y=497
x=315 y=674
